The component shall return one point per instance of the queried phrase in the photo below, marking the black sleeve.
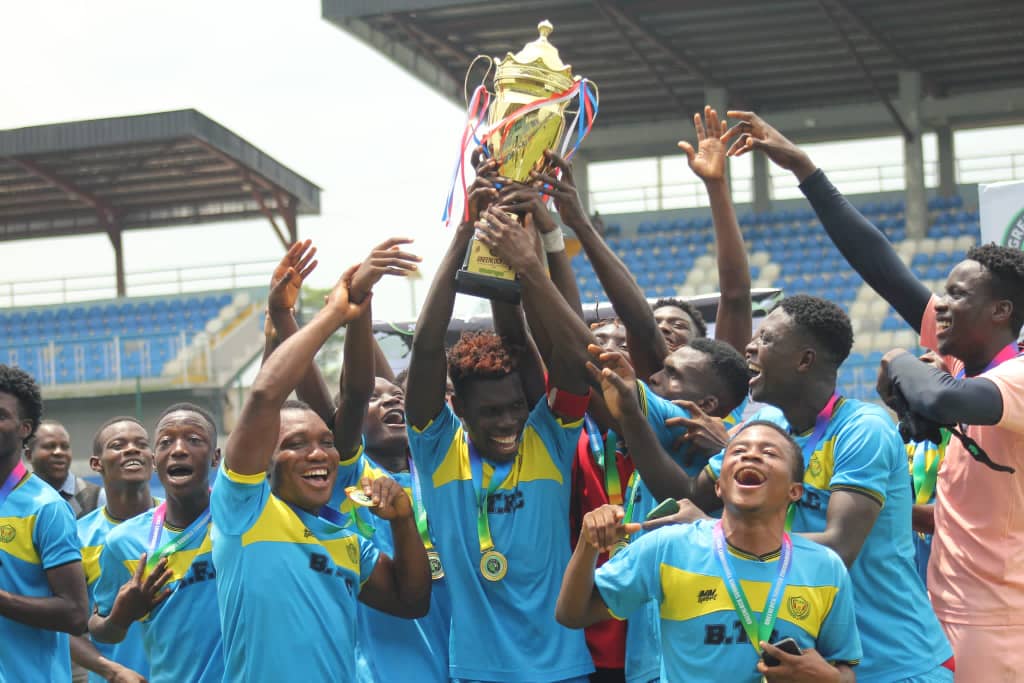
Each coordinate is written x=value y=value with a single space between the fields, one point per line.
x=939 y=397
x=867 y=250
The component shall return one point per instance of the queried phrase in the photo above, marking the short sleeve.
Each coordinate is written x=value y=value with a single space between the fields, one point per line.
x=630 y=578
x=113 y=574
x=55 y=535
x=429 y=445
x=865 y=448
x=237 y=501
x=350 y=469
x=1009 y=379
x=838 y=639
x=369 y=555
x=560 y=438
x=657 y=409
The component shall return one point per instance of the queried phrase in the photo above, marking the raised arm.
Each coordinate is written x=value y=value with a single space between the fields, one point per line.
x=253 y=440
x=428 y=369
x=510 y=324
x=516 y=245
x=660 y=473
x=733 y=323
x=862 y=244
x=359 y=363
x=66 y=610
x=281 y=323
x=648 y=347
x=938 y=396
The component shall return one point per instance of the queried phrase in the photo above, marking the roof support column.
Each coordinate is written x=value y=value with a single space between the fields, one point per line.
x=762 y=180
x=581 y=174
x=913 y=154
x=117 y=241
x=947 y=161
x=718 y=99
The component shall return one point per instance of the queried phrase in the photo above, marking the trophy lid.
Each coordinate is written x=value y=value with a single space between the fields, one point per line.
x=538 y=56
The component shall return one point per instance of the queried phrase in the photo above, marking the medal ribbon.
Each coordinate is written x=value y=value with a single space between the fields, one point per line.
x=498 y=475
x=632 y=485
x=761 y=630
x=820 y=425
x=155 y=554
x=16 y=475
x=419 y=511
x=926 y=471
x=604 y=456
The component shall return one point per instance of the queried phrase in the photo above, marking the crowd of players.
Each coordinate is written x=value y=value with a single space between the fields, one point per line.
x=494 y=514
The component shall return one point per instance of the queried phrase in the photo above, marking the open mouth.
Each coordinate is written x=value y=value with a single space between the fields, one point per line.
x=749 y=477
x=942 y=326
x=134 y=465
x=179 y=471
x=394 y=418
x=317 y=476
x=753 y=370
x=505 y=443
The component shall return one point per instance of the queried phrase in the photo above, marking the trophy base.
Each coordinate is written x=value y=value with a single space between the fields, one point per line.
x=487 y=286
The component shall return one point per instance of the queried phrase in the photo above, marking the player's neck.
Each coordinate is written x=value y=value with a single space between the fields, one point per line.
x=7 y=465
x=802 y=409
x=125 y=501
x=183 y=510
x=393 y=460
x=976 y=362
x=755 y=533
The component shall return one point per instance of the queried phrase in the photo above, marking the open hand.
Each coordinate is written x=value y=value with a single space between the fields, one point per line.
x=703 y=431
x=708 y=161
x=603 y=528
x=526 y=200
x=389 y=498
x=617 y=381
x=387 y=258
x=337 y=303
x=752 y=132
x=567 y=197
x=137 y=598
x=286 y=281
x=507 y=239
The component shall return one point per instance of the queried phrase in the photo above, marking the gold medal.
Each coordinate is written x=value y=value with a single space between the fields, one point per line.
x=493 y=565
x=356 y=495
x=436 y=568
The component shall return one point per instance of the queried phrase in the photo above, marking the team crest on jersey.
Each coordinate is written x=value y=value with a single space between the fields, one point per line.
x=799 y=608
x=7 y=533
x=814 y=467
x=353 y=554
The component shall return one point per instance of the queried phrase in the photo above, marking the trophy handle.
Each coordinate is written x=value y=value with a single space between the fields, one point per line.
x=483 y=81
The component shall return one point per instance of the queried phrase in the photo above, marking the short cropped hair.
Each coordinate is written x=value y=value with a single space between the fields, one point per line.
x=728 y=366
x=688 y=308
x=30 y=442
x=20 y=385
x=211 y=424
x=797 y=453
x=826 y=322
x=1006 y=266
x=97 y=444
x=481 y=355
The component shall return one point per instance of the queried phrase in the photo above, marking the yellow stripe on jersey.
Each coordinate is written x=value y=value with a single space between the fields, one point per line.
x=245 y=478
x=689 y=596
x=16 y=538
x=91 y=562
x=537 y=464
x=180 y=562
x=352 y=458
x=279 y=524
x=821 y=466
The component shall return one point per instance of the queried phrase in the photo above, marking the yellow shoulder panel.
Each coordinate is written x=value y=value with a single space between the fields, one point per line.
x=16 y=538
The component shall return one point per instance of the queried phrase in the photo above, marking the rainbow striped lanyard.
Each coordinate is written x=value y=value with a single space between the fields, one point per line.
x=173 y=545
x=820 y=426
x=604 y=454
x=926 y=470
x=16 y=475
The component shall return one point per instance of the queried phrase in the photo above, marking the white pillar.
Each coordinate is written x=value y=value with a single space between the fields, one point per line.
x=947 y=161
x=913 y=154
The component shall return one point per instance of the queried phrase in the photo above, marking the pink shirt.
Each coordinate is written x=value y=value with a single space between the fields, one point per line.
x=976 y=571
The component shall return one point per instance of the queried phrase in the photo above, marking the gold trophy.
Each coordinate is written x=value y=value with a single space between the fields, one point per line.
x=536 y=73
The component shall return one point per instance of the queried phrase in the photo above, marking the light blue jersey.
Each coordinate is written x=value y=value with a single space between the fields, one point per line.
x=702 y=637
x=287 y=585
x=181 y=636
x=860 y=451
x=505 y=630
x=392 y=648
x=643 y=637
x=37 y=533
x=93 y=529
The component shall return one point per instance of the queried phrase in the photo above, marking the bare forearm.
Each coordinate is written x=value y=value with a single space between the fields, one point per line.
x=107 y=629
x=51 y=613
x=846 y=674
x=510 y=324
x=572 y=609
x=312 y=388
x=411 y=568
x=923 y=518
x=357 y=380
x=85 y=654
x=560 y=268
x=733 y=322
x=290 y=362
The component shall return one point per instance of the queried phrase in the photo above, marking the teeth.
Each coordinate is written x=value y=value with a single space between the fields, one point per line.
x=504 y=440
x=321 y=472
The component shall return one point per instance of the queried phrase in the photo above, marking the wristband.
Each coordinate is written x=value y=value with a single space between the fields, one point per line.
x=572 y=406
x=553 y=241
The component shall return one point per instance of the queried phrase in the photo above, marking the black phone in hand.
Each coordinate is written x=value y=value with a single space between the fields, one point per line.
x=786 y=645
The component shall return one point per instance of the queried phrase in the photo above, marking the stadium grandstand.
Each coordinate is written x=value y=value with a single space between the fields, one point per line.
x=818 y=70
x=131 y=341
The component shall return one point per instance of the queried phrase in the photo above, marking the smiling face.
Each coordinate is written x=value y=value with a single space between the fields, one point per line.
x=126 y=457
x=50 y=454
x=776 y=356
x=185 y=453
x=305 y=466
x=758 y=471
x=963 y=316
x=384 y=424
x=676 y=326
x=495 y=412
